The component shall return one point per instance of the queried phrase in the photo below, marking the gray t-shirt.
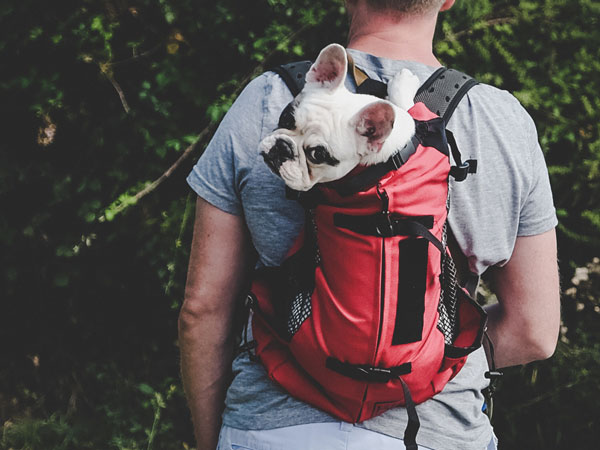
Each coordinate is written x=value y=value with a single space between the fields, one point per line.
x=508 y=197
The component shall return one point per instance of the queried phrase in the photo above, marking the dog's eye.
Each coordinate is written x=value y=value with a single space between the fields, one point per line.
x=317 y=155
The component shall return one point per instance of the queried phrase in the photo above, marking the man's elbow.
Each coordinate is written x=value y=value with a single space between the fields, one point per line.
x=197 y=310
x=544 y=349
x=541 y=343
x=206 y=313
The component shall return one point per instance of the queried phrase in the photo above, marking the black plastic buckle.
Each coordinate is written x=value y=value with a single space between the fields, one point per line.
x=385 y=226
x=459 y=173
x=493 y=374
x=377 y=374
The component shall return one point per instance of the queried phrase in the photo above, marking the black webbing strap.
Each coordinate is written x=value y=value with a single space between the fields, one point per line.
x=461 y=169
x=372 y=87
x=493 y=375
x=386 y=225
x=364 y=372
x=380 y=224
x=373 y=374
x=412 y=428
x=370 y=176
x=443 y=91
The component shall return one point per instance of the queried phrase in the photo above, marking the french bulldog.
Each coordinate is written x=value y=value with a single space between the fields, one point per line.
x=326 y=131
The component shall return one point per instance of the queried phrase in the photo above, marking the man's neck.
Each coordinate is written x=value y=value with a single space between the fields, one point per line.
x=403 y=38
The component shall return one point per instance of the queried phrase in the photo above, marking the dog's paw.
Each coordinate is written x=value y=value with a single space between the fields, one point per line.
x=403 y=88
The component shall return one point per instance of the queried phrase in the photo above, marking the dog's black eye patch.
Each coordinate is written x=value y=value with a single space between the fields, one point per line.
x=320 y=155
x=286 y=119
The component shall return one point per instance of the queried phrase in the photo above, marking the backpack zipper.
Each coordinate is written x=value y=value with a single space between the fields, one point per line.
x=383 y=196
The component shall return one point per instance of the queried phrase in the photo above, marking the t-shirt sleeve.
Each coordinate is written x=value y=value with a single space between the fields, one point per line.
x=538 y=213
x=232 y=151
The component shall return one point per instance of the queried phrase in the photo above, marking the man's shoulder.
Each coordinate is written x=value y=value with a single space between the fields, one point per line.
x=265 y=88
x=272 y=86
x=493 y=112
x=495 y=103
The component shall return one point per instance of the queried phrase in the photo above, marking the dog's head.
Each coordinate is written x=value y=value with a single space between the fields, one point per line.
x=326 y=130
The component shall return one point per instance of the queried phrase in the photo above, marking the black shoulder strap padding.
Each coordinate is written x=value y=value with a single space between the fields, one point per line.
x=444 y=89
x=294 y=75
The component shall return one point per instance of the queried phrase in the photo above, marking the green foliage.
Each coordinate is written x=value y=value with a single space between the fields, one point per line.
x=101 y=98
x=548 y=56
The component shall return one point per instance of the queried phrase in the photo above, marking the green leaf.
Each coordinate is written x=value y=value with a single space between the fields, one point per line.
x=146 y=389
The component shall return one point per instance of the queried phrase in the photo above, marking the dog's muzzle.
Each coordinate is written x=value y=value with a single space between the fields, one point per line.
x=281 y=152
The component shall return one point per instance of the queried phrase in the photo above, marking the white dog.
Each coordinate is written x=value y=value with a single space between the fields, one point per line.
x=326 y=131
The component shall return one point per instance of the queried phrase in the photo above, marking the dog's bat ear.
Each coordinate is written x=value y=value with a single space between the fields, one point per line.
x=329 y=70
x=375 y=122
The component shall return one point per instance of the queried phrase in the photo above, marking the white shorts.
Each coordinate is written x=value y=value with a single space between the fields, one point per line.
x=317 y=436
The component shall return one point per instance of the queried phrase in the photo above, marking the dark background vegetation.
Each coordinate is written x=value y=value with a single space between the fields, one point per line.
x=98 y=99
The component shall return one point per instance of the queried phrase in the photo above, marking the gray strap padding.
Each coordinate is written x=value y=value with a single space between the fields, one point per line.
x=442 y=92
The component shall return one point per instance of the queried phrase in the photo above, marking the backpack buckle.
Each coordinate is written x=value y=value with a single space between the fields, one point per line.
x=384 y=226
x=460 y=172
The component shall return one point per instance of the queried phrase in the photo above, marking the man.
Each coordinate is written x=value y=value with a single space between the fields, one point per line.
x=502 y=218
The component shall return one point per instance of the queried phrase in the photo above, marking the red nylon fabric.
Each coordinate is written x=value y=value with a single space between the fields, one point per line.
x=356 y=300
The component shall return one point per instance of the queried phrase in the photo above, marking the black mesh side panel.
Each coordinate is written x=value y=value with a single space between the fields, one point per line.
x=300 y=310
x=412 y=280
x=294 y=283
x=447 y=308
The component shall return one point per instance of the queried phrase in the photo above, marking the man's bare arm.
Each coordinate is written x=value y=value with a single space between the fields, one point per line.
x=218 y=264
x=525 y=322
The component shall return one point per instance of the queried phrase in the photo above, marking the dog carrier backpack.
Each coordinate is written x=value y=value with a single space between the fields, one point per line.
x=365 y=314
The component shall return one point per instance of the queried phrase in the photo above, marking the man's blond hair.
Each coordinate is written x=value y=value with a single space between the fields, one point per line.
x=403 y=6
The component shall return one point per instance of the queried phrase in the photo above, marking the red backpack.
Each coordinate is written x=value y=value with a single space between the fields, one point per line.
x=365 y=313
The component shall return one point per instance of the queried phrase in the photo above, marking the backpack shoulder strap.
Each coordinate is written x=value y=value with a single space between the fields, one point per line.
x=293 y=74
x=443 y=91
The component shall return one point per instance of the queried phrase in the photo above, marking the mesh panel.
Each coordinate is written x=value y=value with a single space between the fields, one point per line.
x=300 y=309
x=447 y=308
x=298 y=280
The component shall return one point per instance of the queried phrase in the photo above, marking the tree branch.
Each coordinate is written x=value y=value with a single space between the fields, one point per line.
x=201 y=136
x=108 y=74
x=136 y=57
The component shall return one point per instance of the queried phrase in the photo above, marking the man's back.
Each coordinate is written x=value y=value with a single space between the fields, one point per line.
x=489 y=126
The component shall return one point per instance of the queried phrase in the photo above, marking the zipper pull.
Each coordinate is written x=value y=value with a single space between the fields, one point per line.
x=384 y=227
x=385 y=199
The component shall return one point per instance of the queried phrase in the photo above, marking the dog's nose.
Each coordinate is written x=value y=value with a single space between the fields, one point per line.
x=281 y=152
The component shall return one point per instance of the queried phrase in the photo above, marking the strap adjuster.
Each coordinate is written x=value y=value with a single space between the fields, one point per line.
x=365 y=372
x=396 y=159
x=460 y=172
